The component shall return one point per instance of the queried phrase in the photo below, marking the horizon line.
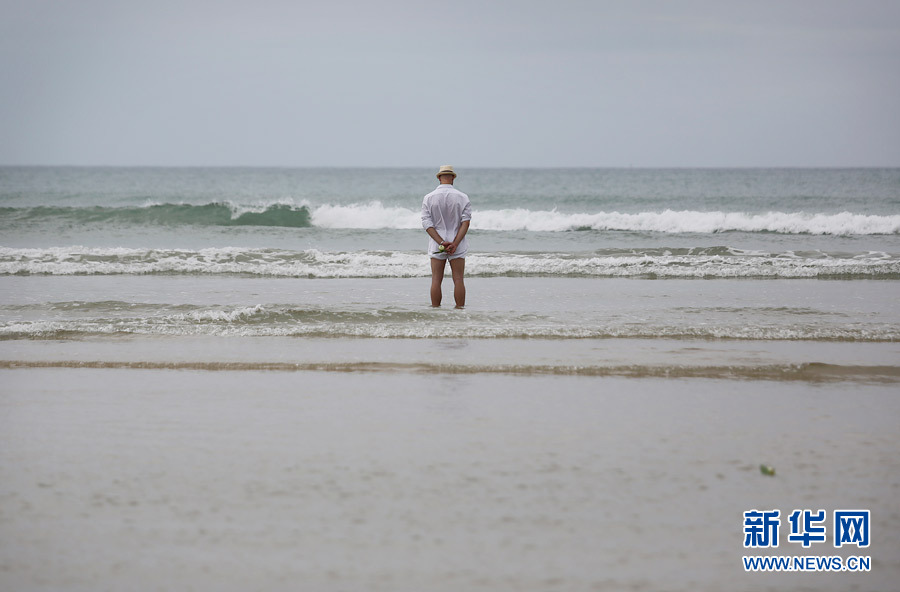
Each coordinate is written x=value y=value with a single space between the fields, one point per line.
x=470 y=167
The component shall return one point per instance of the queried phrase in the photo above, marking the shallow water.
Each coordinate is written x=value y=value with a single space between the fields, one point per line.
x=75 y=307
x=397 y=481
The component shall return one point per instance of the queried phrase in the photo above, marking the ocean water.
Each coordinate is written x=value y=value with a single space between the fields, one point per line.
x=787 y=254
x=784 y=254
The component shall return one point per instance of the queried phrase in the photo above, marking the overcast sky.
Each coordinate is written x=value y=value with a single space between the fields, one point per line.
x=421 y=83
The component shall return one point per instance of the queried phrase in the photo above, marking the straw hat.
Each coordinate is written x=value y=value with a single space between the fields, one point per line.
x=446 y=170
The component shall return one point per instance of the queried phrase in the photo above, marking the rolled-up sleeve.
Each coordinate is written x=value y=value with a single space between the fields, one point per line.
x=427 y=221
x=467 y=212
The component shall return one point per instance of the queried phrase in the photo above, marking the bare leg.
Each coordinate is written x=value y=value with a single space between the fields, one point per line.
x=437 y=276
x=457 y=269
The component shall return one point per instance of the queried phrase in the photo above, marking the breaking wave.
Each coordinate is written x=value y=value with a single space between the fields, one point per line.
x=655 y=263
x=376 y=215
x=211 y=214
x=105 y=319
x=680 y=222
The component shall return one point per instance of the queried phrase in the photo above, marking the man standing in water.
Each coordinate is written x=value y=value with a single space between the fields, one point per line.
x=446 y=213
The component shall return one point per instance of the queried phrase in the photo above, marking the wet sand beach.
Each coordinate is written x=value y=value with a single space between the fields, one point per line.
x=123 y=479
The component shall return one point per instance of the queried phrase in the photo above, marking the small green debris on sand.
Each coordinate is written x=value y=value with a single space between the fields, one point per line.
x=767 y=470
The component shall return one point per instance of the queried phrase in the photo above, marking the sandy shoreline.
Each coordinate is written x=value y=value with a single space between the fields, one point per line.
x=687 y=358
x=160 y=479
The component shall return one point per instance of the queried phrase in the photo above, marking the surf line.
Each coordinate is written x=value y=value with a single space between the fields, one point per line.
x=806 y=372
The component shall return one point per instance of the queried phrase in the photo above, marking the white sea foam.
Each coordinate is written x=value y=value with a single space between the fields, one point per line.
x=221 y=324
x=716 y=263
x=370 y=215
x=222 y=316
x=670 y=221
x=377 y=215
x=239 y=209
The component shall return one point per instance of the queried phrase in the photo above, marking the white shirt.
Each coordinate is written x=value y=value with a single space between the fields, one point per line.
x=445 y=209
